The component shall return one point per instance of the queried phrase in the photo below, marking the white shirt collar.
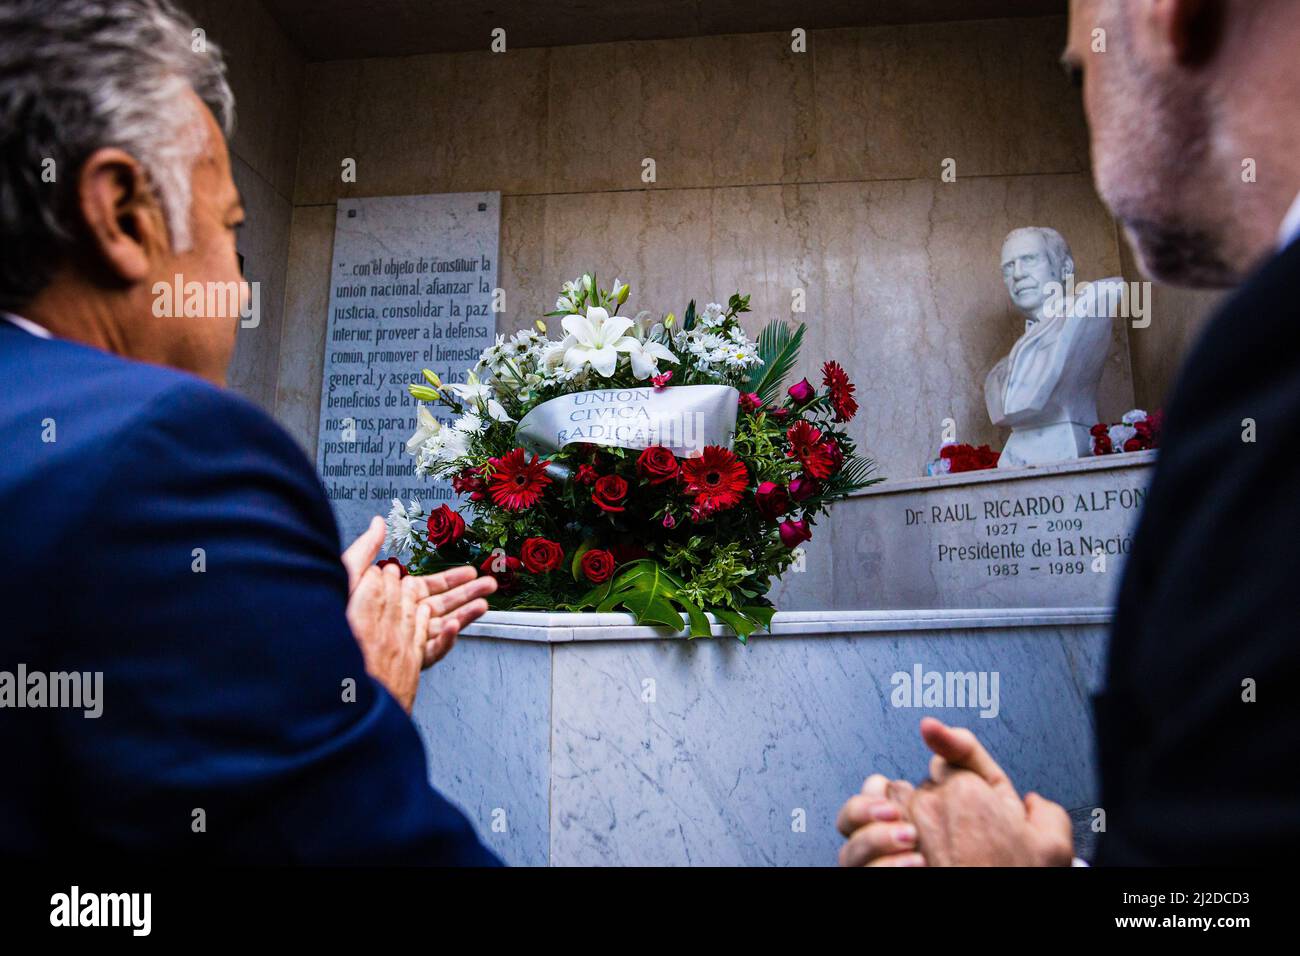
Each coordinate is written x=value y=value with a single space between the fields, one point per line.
x=1290 y=231
x=27 y=325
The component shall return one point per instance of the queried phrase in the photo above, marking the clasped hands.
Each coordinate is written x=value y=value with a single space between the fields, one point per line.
x=967 y=813
x=406 y=624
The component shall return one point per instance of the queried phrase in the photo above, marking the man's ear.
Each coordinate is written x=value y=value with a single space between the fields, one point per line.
x=1190 y=30
x=123 y=219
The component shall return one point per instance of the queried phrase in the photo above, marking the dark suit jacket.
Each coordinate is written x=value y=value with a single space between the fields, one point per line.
x=1190 y=772
x=223 y=689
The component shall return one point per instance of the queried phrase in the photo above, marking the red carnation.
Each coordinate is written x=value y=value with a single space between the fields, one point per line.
x=772 y=499
x=504 y=568
x=470 y=481
x=750 y=402
x=445 y=527
x=841 y=389
x=597 y=565
x=608 y=493
x=717 y=478
x=540 y=555
x=657 y=465
x=586 y=475
x=516 y=482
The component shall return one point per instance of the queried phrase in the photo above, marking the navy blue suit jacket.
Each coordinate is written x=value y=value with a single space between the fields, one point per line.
x=223 y=690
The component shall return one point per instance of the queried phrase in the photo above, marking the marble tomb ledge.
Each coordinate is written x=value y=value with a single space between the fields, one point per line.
x=557 y=628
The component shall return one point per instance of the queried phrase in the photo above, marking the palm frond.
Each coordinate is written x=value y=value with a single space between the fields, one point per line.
x=778 y=347
x=854 y=475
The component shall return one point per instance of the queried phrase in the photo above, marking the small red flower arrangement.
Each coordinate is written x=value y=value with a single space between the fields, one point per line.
x=968 y=458
x=1136 y=431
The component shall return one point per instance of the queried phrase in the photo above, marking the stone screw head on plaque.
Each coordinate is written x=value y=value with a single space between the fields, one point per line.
x=1045 y=389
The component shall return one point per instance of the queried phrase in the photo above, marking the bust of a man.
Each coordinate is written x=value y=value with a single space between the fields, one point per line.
x=1045 y=389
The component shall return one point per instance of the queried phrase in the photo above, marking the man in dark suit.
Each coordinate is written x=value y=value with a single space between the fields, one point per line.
x=187 y=669
x=1196 y=148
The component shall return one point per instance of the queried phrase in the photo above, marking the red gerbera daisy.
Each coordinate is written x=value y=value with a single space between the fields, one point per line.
x=516 y=482
x=717 y=478
x=834 y=378
x=802 y=437
x=819 y=462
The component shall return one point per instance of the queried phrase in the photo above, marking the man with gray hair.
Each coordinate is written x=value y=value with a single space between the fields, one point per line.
x=161 y=532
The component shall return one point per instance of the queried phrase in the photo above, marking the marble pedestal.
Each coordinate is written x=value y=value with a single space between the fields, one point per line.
x=582 y=739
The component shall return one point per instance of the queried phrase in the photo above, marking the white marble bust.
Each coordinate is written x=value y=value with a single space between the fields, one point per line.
x=1045 y=389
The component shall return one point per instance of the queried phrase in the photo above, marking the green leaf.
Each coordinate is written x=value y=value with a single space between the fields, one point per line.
x=761 y=613
x=688 y=320
x=653 y=596
x=742 y=625
x=575 y=566
x=778 y=347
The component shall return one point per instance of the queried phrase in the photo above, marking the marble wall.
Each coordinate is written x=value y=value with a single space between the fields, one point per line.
x=775 y=171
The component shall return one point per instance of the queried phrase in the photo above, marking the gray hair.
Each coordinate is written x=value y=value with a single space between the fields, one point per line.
x=80 y=75
x=1058 y=250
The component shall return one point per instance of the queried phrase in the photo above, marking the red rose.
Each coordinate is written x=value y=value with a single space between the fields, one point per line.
x=505 y=569
x=540 y=555
x=772 y=499
x=801 y=391
x=608 y=493
x=1133 y=444
x=803 y=488
x=400 y=566
x=1102 y=445
x=657 y=465
x=794 y=533
x=597 y=565
x=445 y=527
x=836 y=454
x=780 y=414
x=586 y=475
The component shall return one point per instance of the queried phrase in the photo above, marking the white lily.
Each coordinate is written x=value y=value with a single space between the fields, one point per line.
x=595 y=339
x=479 y=394
x=471 y=390
x=495 y=409
x=646 y=356
x=426 y=427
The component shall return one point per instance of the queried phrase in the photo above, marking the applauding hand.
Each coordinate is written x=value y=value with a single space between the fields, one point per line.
x=405 y=624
